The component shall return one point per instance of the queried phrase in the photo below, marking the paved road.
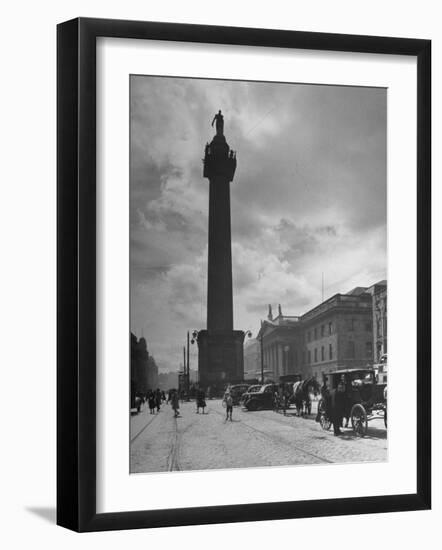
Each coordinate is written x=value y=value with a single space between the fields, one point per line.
x=264 y=438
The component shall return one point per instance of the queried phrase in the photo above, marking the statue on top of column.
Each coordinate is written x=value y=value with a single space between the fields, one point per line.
x=219 y=123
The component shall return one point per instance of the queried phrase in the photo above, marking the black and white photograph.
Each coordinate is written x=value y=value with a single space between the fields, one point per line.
x=220 y=226
x=258 y=274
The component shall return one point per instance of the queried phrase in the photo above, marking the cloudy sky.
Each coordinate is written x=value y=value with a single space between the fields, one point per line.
x=309 y=197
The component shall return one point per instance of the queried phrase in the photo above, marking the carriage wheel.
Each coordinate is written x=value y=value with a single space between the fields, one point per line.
x=325 y=422
x=359 y=420
x=385 y=417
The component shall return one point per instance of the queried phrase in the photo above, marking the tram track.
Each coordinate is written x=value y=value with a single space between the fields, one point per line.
x=173 y=464
x=143 y=428
x=280 y=441
x=281 y=422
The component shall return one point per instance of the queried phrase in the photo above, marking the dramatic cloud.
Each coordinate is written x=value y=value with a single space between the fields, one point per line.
x=308 y=198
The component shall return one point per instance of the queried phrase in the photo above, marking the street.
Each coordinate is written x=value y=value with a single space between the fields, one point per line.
x=253 y=439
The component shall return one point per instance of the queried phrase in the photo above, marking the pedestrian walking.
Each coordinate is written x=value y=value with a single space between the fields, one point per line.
x=158 y=399
x=152 y=402
x=286 y=399
x=337 y=406
x=175 y=403
x=228 y=400
x=200 y=401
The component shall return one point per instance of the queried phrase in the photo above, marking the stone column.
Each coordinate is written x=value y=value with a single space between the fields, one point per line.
x=221 y=355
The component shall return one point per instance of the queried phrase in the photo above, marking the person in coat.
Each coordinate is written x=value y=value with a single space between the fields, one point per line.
x=152 y=402
x=176 y=403
x=228 y=400
x=200 y=401
x=337 y=407
x=158 y=399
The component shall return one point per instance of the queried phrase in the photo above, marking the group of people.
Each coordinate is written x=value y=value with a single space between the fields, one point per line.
x=336 y=405
x=201 y=402
x=154 y=399
x=281 y=398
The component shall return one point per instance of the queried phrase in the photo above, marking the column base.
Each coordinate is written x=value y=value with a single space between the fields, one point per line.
x=220 y=359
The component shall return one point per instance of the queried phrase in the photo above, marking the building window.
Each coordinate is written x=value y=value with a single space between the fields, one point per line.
x=309 y=357
x=369 y=350
x=368 y=326
x=350 y=349
x=322 y=353
x=309 y=336
x=351 y=324
x=316 y=333
x=322 y=330
x=330 y=328
x=316 y=355
x=295 y=358
x=330 y=352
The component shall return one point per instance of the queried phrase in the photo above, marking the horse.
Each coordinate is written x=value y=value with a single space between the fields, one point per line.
x=301 y=395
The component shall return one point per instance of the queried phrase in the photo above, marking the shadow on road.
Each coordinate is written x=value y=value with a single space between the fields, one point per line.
x=372 y=433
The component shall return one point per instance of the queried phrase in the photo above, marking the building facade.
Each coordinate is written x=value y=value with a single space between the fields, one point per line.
x=143 y=369
x=345 y=331
x=338 y=334
x=281 y=345
x=379 y=312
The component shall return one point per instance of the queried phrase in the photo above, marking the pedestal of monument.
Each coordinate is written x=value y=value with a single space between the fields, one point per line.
x=220 y=357
x=220 y=348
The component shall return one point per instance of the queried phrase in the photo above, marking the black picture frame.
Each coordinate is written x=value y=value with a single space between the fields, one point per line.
x=77 y=287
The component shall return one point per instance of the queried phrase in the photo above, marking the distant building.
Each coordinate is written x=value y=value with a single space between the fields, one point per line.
x=167 y=380
x=143 y=369
x=152 y=373
x=345 y=331
x=281 y=344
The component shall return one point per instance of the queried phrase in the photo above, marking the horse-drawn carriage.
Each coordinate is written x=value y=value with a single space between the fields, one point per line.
x=295 y=391
x=365 y=398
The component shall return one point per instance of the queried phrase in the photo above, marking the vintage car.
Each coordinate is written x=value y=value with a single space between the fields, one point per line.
x=365 y=397
x=258 y=398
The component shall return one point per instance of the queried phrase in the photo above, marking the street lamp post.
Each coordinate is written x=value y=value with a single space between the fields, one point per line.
x=262 y=354
x=194 y=339
x=184 y=369
x=188 y=369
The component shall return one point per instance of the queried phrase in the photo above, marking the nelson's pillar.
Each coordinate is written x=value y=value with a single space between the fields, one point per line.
x=220 y=348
